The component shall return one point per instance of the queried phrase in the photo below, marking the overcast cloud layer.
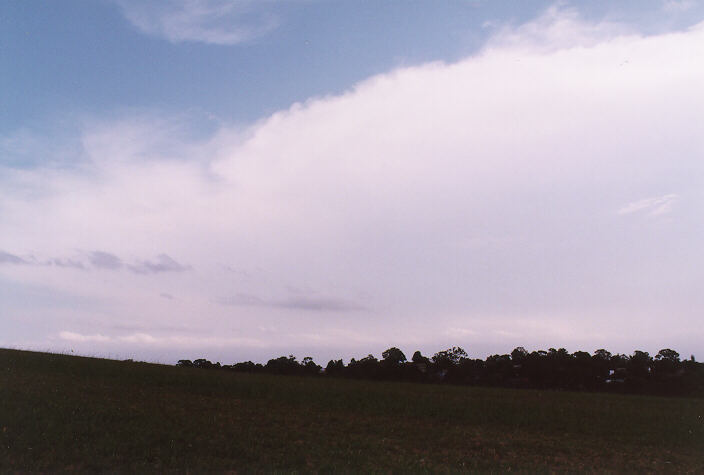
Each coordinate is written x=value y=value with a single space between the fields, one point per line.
x=544 y=192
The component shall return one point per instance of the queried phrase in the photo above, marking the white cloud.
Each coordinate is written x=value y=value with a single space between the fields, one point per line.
x=220 y=22
x=138 y=338
x=146 y=339
x=655 y=206
x=472 y=195
x=678 y=6
x=72 y=336
x=559 y=28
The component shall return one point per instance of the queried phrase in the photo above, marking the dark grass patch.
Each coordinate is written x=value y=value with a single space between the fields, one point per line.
x=62 y=412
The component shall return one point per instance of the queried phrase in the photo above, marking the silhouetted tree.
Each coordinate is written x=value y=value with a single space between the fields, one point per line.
x=419 y=358
x=367 y=367
x=638 y=370
x=583 y=374
x=391 y=365
x=602 y=365
x=518 y=355
x=447 y=358
x=668 y=355
x=335 y=368
x=393 y=356
x=639 y=364
x=247 y=367
x=283 y=365
x=499 y=370
x=668 y=372
x=203 y=363
x=309 y=367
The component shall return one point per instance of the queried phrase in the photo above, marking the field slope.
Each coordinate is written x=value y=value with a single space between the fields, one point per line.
x=60 y=412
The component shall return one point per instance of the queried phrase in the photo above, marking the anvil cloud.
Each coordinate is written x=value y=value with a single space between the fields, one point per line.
x=546 y=191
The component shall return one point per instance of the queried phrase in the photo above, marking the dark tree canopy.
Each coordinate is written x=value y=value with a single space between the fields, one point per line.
x=519 y=354
x=665 y=374
x=394 y=356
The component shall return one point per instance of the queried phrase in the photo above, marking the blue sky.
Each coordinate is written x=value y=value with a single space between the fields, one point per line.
x=240 y=179
x=86 y=57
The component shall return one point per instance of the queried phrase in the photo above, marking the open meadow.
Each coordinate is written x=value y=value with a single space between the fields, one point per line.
x=62 y=412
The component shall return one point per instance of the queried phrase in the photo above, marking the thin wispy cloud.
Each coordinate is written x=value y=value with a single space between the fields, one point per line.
x=7 y=258
x=220 y=22
x=163 y=263
x=678 y=6
x=315 y=304
x=654 y=206
x=68 y=263
x=105 y=260
x=100 y=260
x=319 y=304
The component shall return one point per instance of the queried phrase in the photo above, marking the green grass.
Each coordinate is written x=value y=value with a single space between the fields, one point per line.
x=60 y=412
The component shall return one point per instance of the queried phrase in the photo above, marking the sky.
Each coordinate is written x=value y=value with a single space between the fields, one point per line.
x=240 y=180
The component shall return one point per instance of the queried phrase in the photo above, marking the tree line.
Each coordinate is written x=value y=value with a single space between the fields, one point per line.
x=663 y=374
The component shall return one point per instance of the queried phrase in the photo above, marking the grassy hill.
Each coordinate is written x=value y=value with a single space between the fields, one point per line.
x=62 y=412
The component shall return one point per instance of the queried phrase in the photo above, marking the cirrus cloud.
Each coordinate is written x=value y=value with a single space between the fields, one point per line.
x=220 y=22
x=655 y=206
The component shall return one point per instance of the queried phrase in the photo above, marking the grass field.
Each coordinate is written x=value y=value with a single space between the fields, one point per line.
x=61 y=412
